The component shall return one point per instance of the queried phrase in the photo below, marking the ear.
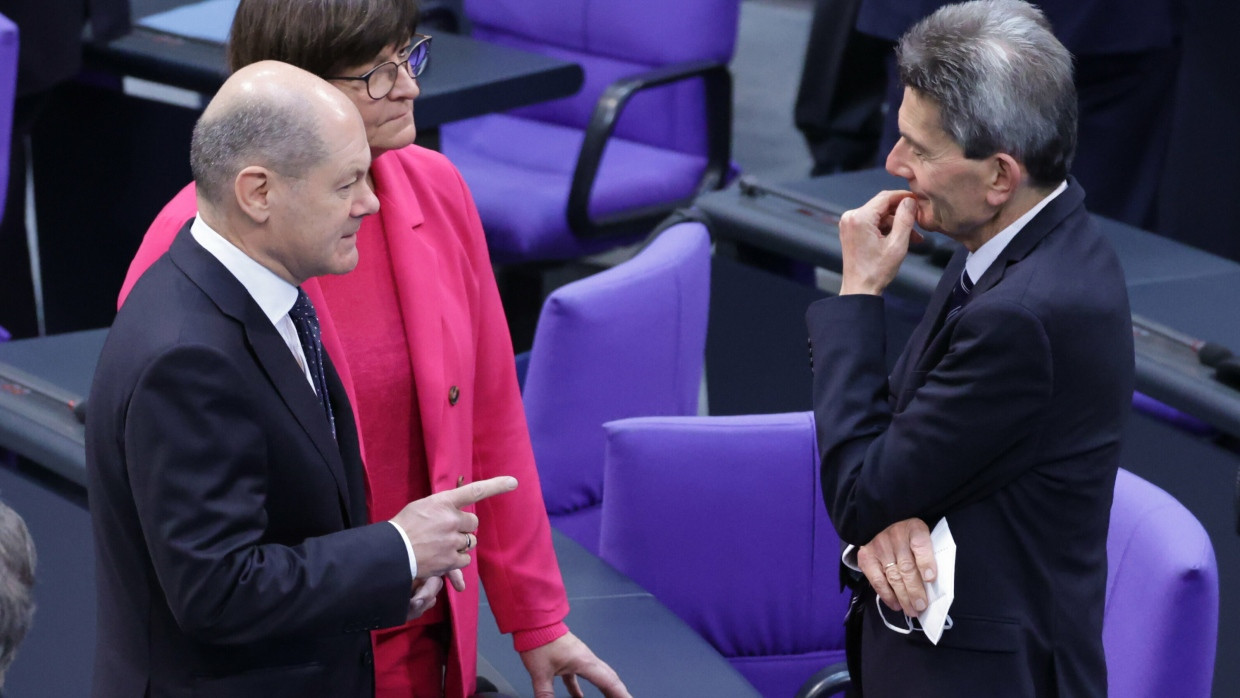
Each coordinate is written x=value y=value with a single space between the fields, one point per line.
x=252 y=187
x=1006 y=178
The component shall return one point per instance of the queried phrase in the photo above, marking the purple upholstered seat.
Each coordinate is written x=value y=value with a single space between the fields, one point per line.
x=521 y=166
x=721 y=518
x=8 y=92
x=628 y=341
x=1160 y=627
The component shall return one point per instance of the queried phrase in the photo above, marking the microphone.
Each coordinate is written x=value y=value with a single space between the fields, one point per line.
x=1212 y=354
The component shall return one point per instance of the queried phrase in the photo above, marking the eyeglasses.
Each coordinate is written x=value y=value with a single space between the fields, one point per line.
x=911 y=623
x=382 y=78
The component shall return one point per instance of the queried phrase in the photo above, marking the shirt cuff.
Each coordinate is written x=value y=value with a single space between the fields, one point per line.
x=413 y=561
x=526 y=640
x=849 y=558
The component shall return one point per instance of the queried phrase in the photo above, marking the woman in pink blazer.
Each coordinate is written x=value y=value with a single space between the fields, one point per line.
x=421 y=343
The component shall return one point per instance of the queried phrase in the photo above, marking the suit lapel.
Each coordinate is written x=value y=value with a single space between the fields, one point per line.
x=418 y=292
x=931 y=322
x=350 y=445
x=266 y=344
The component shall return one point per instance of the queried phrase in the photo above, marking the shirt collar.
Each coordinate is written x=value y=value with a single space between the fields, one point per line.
x=273 y=294
x=980 y=260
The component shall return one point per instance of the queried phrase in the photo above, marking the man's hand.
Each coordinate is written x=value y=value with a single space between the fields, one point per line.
x=441 y=534
x=874 y=240
x=569 y=657
x=898 y=563
x=425 y=593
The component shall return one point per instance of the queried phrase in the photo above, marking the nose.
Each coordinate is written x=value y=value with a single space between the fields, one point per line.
x=365 y=203
x=406 y=87
x=897 y=160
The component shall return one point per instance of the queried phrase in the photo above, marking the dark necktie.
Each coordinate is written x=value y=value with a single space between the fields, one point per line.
x=960 y=293
x=307 y=324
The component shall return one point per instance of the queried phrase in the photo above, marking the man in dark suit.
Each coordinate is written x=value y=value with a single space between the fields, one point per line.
x=225 y=483
x=1003 y=415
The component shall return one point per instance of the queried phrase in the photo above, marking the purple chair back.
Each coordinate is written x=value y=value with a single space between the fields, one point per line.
x=1160 y=627
x=613 y=39
x=721 y=518
x=8 y=92
x=628 y=341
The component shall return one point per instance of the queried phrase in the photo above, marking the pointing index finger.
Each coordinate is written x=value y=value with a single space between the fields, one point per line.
x=475 y=492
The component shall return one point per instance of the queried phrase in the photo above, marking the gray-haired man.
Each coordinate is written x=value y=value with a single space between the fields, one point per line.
x=1004 y=413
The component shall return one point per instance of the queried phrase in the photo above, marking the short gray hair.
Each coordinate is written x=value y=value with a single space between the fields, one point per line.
x=280 y=134
x=17 y=562
x=1001 y=80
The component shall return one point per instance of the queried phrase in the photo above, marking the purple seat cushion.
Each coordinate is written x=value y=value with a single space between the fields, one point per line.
x=519 y=171
x=625 y=342
x=1160 y=625
x=721 y=518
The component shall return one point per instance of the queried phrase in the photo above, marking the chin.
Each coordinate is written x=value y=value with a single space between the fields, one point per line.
x=397 y=135
x=345 y=266
x=344 y=262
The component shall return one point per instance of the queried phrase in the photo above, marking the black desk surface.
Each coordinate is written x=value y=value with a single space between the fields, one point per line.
x=465 y=77
x=653 y=651
x=1180 y=287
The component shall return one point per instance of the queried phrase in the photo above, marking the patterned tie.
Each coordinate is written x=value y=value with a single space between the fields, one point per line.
x=960 y=293
x=307 y=324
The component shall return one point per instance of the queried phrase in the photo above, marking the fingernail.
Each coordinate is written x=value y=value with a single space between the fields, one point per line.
x=919 y=605
x=927 y=575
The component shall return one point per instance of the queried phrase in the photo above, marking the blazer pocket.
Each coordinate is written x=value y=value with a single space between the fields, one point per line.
x=296 y=680
x=979 y=634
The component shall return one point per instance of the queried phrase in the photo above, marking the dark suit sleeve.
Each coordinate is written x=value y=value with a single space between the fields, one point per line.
x=198 y=467
x=982 y=400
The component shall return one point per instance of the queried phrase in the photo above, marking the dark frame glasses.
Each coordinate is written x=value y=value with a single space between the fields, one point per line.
x=382 y=78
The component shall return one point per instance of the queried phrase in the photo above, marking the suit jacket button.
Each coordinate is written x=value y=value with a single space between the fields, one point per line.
x=368 y=658
x=453 y=395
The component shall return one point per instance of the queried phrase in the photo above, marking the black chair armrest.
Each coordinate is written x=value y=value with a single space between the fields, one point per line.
x=828 y=681
x=718 y=84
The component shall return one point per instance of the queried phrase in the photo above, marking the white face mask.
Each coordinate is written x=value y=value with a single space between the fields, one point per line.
x=910 y=622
